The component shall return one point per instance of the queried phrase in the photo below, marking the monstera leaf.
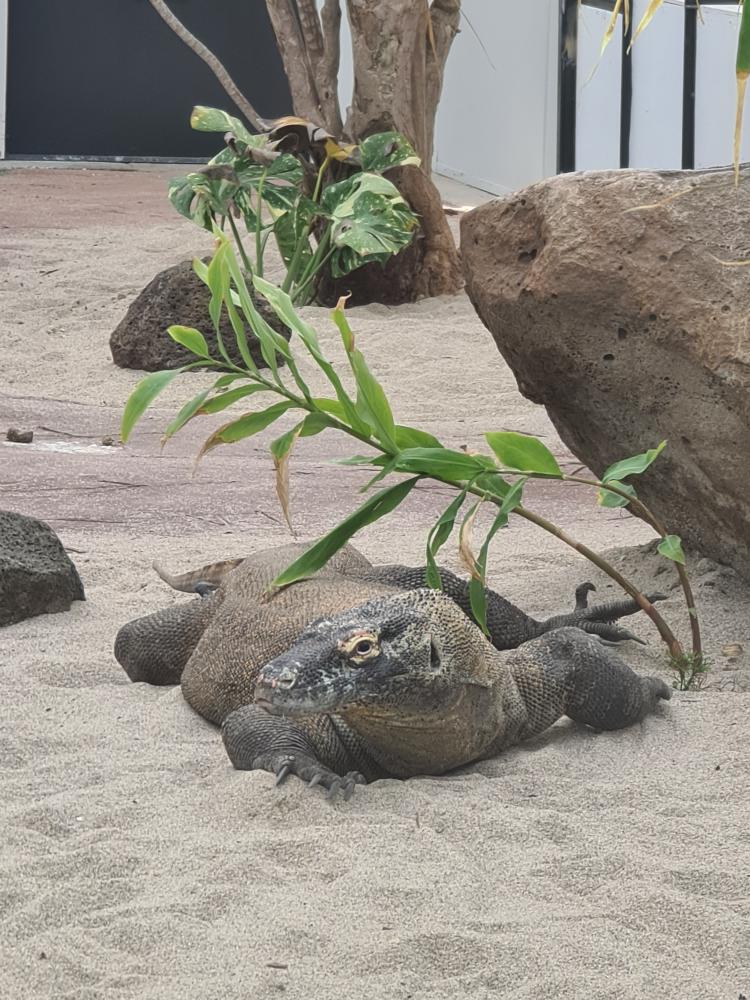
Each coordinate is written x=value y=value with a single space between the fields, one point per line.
x=381 y=152
x=203 y=195
x=370 y=221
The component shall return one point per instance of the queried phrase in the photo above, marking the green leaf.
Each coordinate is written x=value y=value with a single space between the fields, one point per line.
x=281 y=446
x=385 y=150
x=187 y=412
x=205 y=119
x=438 y=536
x=633 y=466
x=605 y=498
x=523 y=453
x=370 y=221
x=201 y=269
x=270 y=341
x=224 y=399
x=245 y=426
x=413 y=437
x=373 y=509
x=142 y=396
x=444 y=463
x=372 y=400
x=671 y=547
x=314 y=423
x=281 y=304
x=477 y=587
x=190 y=338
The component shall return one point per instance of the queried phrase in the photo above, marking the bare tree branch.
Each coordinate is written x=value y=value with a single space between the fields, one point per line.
x=211 y=61
x=445 y=16
x=328 y=67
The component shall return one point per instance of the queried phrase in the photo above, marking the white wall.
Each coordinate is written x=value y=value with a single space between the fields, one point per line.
x=497 y=121
x=597 y=92
x=656 y=115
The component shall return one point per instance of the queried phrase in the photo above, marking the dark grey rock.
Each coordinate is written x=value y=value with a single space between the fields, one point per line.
x=37 y=576
x=177 y=296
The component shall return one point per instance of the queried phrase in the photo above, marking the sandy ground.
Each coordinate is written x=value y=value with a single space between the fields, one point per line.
x=136 y=863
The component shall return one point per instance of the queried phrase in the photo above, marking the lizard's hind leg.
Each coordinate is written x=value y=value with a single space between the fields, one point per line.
x=567 y=672
x=156 y=648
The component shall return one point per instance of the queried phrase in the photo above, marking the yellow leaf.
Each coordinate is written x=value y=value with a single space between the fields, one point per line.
x=611 y=26
x=336 y=152
x=464 y=543
x=652 y=8
x=281 y=465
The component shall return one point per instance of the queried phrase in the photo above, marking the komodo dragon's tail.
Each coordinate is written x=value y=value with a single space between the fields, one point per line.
x=199 y=581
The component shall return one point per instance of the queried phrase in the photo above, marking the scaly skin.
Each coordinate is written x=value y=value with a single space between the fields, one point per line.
x=216 y=647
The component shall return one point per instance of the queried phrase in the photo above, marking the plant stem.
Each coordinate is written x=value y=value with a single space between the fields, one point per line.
x=238 y=241
x=650 y=518
x=322 y=254
x=304 y=239
x=258 y=226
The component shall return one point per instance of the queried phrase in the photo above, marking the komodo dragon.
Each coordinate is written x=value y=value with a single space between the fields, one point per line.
x=382 y=675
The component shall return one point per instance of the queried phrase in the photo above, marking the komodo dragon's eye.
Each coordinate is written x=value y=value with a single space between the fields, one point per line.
x=360 y=646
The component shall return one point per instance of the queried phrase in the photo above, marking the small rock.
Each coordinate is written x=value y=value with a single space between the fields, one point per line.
x=36 y=574
x=19 y=437
x=108 y=441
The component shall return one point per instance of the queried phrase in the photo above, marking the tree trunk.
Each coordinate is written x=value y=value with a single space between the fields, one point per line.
x=400 y=48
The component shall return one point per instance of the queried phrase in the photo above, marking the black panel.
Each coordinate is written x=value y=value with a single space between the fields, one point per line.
x=109 y=78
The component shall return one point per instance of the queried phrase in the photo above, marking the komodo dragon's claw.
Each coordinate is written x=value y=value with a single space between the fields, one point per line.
x=346 y=785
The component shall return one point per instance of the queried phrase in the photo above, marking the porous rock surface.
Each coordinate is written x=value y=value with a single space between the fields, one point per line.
x=36 y=574
x=177 y=296
x=607 y=295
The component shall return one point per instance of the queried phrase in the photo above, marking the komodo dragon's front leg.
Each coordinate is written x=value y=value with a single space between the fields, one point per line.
x=321 y=751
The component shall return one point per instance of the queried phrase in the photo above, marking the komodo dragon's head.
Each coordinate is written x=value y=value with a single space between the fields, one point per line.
x=389 y=651
x=394 y=668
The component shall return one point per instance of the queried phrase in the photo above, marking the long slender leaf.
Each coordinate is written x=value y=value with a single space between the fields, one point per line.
x=445 y=463
x=438 y=536
x=477 y=585
x=373 y=509
x=245 y=426
x=187 y=412
x=141 y=398
x=224 y=399
x=371 y=396
x=282 y=306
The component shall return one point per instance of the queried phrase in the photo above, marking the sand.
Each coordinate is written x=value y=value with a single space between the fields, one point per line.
x=136 y=863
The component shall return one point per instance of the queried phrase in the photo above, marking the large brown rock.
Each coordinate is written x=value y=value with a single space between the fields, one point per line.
x=606 y=295
x=37 y=576
x=177 y=296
